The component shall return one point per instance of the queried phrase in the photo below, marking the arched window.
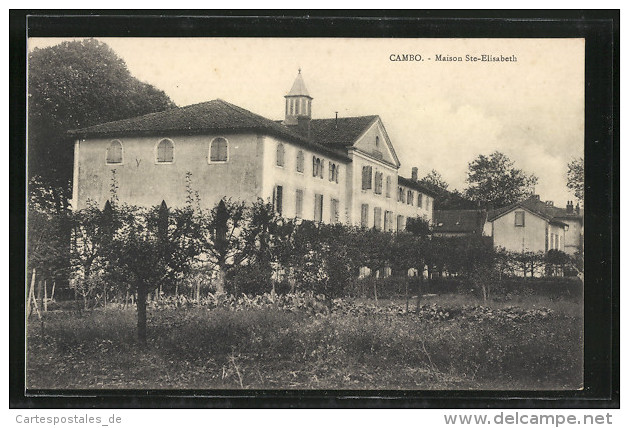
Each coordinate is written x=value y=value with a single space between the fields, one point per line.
x=114 y=152
x=300 y=161
x=165 y=151
x=279 y=155
x=218 y=150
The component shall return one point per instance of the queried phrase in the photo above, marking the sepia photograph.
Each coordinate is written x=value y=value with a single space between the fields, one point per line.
x=305 y=213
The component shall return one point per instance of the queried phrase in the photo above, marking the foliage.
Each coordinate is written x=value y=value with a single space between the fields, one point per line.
x=74 y=85
x=493 y=181
x=576 y=178
x=300 y=346
x=418 y=226
x=434 y=178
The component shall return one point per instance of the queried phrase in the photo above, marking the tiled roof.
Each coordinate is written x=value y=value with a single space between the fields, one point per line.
x=459 y=221
x=215 y=115
x=549 y=212
x=417 y=185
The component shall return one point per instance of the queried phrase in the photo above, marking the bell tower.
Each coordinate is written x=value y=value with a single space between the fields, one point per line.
x=298 y=103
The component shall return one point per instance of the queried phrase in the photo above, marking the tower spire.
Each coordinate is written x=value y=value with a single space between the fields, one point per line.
x=298 y=102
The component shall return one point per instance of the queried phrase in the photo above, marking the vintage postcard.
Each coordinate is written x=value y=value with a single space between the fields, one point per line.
x=305 y=213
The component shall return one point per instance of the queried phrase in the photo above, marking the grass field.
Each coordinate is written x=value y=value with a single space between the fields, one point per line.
x=450 y=344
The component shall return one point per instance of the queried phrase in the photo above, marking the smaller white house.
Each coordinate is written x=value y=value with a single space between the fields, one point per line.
x=535 y=225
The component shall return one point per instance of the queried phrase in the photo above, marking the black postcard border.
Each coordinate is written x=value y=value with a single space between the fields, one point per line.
x=600 y=28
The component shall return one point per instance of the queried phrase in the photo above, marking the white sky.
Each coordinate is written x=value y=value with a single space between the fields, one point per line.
x=439 y=115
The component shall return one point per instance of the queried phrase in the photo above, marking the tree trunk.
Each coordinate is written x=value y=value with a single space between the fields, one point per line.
x=141 y=303
x=45 y=297
x=406 y=292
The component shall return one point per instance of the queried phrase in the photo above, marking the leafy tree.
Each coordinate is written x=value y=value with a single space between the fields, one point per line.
x=576 y=178
x=418 y=226
x=151 y=248
x=434 y=178
x=74 y=85
x=222 y=237
x=494 y=181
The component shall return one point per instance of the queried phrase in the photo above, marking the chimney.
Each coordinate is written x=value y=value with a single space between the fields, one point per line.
x=569 y=207
x=303 y=126
x=550 y=203
x=535 y=197
x=336 y=120
x=414 y=173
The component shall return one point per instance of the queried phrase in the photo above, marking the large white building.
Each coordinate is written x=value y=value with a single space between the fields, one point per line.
x=341 y=169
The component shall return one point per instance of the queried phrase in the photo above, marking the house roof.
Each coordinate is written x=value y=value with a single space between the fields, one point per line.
x=338 y=133
x=417 y=185
x=536 y=206
x=210 y=116
x=459 y=221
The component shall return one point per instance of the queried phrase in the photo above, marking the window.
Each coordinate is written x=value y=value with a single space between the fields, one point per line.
x=165 y=151
x=420 y=198
x=519 y=218
x=366 y=177
x=318 y=208
x=300 y=161
x=218 y=150
x=388 y=221
x=400 y=194
x=377 y=218
x=400 y=223
x=410 y=197
x=317 y=167
x=378 y=183
x=333 y=172
x=277 y=199
x=377 y=141
x=364 y=215
x=428 y=203
x=334 y=211
x=299 y=203
x=279 y=155
x=388 y=188
x=114 y=152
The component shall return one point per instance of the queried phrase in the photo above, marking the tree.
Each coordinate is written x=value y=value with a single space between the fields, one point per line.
x=434 y=178
x=74 y=85
x=576 y=178
x=493 y=181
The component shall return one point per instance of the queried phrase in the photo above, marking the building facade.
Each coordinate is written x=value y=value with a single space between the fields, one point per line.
x=535 y=225
x=329 y=170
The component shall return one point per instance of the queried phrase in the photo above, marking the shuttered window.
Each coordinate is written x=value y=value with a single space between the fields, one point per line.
x=377 y=218
x=114 y=152
x=300 y=161
x=334 y=211
x=420 y=198
x=388 y=221
x=400 y=223
x=318 y=208
x=519 y=218
x=218 y=150
x=364 y=215
x=410 y=197
x=165 y=151
x=279 y=155
x=366 y=177
x=378 y=183
x=388 y=188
